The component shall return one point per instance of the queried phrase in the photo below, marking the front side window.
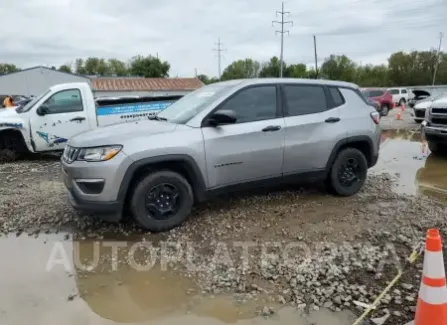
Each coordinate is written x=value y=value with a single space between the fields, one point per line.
x=65 y=101
x=304 y=99
x=253 y=104
x=404 y=91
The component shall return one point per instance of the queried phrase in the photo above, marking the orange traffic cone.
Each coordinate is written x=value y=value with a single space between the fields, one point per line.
x=399 y=115
x=431 y=307
x=402 y=108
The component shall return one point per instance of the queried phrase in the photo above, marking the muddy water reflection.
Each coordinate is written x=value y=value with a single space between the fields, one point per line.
x=420 y=172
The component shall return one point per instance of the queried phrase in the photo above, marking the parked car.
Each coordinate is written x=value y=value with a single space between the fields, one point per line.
x=419 y=110
x=381 y=96
x=224 y=137
x=418 y=95
x=434 y=125
x=400 y=95
x=63 y=111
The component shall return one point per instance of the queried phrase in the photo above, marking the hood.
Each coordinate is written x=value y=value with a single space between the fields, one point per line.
x=10 y=118
x=117 y=133
x=423 y=104
x=441 y=101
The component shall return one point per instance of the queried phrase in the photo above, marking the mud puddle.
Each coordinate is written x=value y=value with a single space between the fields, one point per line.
x=419 y=172
x=53 y=279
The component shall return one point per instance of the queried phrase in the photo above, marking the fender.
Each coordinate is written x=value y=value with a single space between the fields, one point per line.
x=345 y=142
x=17 y=125
x=193 y=170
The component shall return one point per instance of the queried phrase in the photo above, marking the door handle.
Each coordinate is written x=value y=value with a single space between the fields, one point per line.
x=77 y=119
x=271 y=128
x=332 y=120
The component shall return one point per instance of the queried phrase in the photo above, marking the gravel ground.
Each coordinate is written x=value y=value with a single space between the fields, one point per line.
x=345 y=249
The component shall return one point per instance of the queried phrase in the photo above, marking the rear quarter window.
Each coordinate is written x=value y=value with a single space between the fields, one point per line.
x=336 y=96
x=354 y=98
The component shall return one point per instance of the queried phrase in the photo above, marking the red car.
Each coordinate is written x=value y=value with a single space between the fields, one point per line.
x=382 y=96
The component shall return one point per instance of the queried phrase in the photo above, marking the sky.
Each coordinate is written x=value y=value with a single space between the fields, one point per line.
x=185 y=32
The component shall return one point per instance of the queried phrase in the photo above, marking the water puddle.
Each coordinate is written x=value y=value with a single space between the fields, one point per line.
x=420 y=172
x=53 y=279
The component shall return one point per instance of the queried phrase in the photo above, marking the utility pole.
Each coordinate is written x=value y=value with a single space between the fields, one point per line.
x=282 y=32
x=316 y=58
x=219 y=50
x=441 y=35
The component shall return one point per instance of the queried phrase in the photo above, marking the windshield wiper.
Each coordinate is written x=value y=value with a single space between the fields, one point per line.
x=158 y=118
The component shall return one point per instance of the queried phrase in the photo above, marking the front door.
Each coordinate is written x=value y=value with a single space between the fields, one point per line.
x=252 y=148
x=65 y=116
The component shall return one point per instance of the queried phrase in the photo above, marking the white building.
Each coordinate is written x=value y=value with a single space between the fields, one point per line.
x=35 y=80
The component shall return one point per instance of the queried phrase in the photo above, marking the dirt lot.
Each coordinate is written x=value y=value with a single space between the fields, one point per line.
x=292 y=255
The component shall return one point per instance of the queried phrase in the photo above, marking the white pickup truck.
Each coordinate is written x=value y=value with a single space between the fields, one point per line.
x=65 y=110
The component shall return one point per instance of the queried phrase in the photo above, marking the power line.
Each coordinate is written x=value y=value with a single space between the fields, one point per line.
x=282 y=32
x=219 y=51
x=441 y=35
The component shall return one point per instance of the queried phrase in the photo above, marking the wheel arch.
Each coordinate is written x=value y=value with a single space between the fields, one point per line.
x=185 y=165
x=362 y=143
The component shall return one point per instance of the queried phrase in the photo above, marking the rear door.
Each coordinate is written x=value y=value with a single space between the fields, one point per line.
x=252 y=148
x=312 y=126
x=66 y=117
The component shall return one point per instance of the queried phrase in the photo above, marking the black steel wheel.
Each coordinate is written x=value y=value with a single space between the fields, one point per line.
x=348 y=172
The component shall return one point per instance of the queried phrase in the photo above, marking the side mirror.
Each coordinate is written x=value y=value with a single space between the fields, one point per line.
x=42 y=110
x=222 y=117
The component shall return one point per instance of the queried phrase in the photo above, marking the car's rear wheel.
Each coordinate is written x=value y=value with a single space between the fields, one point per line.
x=384 y=110
x=402 y=101
x=161 y=201
x=348 y=172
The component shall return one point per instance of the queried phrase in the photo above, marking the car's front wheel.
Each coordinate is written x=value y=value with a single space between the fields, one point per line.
x=161 y=201
x=348 y=172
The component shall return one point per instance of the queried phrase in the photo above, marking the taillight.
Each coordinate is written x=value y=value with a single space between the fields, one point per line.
x=375 y=117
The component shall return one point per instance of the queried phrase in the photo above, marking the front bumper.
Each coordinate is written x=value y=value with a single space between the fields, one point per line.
x=93 y=187
x=435 y=133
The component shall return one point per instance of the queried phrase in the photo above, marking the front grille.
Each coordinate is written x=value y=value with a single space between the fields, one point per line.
x=70 y=154
x=419 y=113
x=439 y=110
x=437 y=120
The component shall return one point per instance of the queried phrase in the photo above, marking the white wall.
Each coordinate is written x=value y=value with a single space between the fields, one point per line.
x=34 y=81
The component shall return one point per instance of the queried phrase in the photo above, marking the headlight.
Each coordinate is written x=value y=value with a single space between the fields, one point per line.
x=98 y=153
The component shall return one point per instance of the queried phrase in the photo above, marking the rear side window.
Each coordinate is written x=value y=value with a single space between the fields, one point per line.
x=394 y=91
x=303 y=99
x=404 y=91
x=337 y=98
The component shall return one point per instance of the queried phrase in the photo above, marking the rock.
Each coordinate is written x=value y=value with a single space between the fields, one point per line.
x=337 y=300
x=397 y=313
x=407 y=286
x=267 y=311
x=409 y=298
x=71 y=297
x=328 y=304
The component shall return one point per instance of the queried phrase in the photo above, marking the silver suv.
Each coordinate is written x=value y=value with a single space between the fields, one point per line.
x=224 y=137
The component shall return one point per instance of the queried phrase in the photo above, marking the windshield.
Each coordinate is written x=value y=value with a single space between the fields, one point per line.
x=372 y=93
x=190 y=105
x=27 y=107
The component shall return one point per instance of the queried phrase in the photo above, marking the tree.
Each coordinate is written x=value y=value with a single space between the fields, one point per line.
x=296 y=71
x=149 y=67
x=118 y=68
x=65 y=68
x=338 y=67
x=204 y=78
x=271 y=69
x=8 y=68
x=241 y=69
x=79 y=67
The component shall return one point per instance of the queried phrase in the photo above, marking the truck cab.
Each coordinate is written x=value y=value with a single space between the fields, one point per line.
x=48 y=121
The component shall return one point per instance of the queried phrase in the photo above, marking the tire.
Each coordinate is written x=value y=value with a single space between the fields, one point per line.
x=418 y=121
x=437 y=149
x=334 y=180
x=142 y=193
x=401 y=101
x=384 y=110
